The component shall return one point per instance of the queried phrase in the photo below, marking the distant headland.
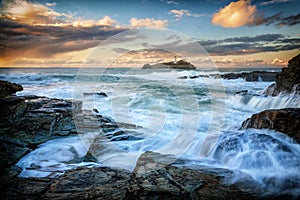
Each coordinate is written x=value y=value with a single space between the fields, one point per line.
x=181 y=64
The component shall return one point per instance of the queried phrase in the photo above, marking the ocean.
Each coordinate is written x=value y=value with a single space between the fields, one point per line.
x=195 y=119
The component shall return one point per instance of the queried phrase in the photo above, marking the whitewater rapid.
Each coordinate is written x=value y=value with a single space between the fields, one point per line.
x=196 y=119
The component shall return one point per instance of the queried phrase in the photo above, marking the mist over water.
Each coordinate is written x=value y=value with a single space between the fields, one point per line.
x=196 y=119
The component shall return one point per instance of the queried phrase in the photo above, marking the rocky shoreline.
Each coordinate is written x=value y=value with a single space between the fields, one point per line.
x=286 y=120
x=247 y=76
x=28 y=121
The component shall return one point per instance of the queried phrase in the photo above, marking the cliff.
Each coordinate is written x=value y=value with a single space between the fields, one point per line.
x=288 y=80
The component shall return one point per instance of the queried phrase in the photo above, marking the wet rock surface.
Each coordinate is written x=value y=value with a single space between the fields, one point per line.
x=247 y=76
x=28 y=121
x=288 y=80
x=283 y=120
x=251 y=76
x=154 y=177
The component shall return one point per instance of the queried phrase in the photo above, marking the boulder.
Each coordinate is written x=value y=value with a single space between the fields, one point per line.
x=8 y=88
x=285 y=120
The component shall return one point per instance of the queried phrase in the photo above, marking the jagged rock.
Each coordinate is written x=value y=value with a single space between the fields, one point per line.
x=8 y=88
x=285 y=120
x=89 y=183
x=288 y=80
x=154 y=177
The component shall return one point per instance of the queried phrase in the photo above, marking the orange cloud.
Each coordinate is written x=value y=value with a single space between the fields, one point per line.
x=148 y=22
x=41 y=15
x=279 y=61
x=235 y=14
x=30 y=13
x=178 y=13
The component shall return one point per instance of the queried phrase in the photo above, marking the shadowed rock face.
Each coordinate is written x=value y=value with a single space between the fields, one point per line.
x=283 y=120
x=288 y=81
x=7 y=88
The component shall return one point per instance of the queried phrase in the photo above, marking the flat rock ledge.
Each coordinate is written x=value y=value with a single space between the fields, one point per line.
x=285 y=120
x=153 y=178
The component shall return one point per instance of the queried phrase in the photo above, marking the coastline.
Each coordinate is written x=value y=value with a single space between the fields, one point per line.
x=154 y=175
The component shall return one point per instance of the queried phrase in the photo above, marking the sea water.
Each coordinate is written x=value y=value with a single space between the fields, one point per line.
x=196 y=119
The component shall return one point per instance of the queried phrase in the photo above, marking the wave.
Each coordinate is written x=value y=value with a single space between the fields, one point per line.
x=260 y=103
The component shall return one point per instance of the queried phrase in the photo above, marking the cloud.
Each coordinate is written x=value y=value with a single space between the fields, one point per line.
x=178 y=14
x=31 y=13
x=265 y=3
x=51 y=4
x=242 y=13
x=235 y=14
x=250 y=45
x=170 y=2
x=41 y=15
x=279 y=61
x=148 y=22
x=290 y=21
x=20 y=41
x=106 y=21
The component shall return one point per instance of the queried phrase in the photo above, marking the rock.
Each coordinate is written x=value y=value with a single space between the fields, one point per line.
x=154 y=177
x=242 y=92
x=285 y=120
x=101 y=94
x=170 y=65
x=193 y=77
x=251 y=76
x=8 y=88
x=288 y=80
x=90 y=183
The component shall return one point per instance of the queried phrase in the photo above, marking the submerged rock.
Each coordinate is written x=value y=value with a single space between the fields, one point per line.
x=285 y=120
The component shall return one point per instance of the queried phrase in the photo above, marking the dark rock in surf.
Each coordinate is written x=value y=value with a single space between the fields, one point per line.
x=288 y=80
x=193 y=77
x=242 y=92
x=285 y=120
x=251 y=76
x=8 y=88
x=100 y=94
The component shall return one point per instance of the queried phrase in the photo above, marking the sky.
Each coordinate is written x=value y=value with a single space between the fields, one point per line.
x=118 y=33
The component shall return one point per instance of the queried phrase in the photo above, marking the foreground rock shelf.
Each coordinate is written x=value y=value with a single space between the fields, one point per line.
x=154 y=177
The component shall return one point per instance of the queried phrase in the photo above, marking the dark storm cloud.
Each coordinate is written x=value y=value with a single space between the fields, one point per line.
x=246 y=45
x=46 y=41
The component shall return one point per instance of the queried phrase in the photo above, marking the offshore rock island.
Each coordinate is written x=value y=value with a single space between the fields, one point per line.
x=181 y=64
